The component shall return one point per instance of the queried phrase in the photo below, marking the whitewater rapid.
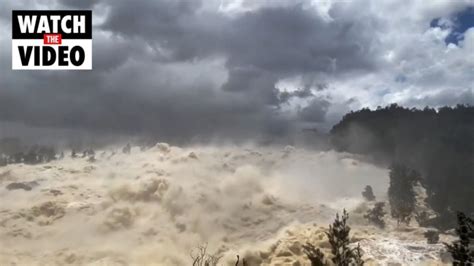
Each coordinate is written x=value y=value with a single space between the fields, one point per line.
x=154 y=207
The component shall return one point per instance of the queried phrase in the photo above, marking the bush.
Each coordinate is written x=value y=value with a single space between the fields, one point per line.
x=376 y=214
x=462 y=250
x=368 y=193
x=314 y=255
x=127 y=149
x=338 y=235
x=201 y=257
x=31 y=155
x=432 y=236
x=422 y=218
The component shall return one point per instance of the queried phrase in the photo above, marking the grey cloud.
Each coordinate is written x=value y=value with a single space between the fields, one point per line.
x=315 y=111
x=155 y=70
x=294 y=40
x=129 y=90
x=302 y=93
x=442 y=98
x=273 y=43
x=173 y=27
x=137 y=106
x=110 y=53
x=82 y=4
x=258 y=86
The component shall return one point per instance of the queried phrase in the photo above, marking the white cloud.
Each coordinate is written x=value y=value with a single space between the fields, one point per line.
x=414 y=62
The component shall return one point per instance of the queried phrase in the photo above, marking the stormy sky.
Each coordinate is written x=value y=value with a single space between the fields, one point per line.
x=243 y=69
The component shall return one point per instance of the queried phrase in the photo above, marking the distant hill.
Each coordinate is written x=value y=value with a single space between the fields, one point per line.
x=437 y=143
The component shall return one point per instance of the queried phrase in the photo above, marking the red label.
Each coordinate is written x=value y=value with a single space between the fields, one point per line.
x=52 y=39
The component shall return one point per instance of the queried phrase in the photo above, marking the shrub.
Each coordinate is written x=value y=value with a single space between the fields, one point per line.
x=462 y=250
x=432 y=236
x=127 y=149
x=375 y=215
x=422 y=218
x=314 y=255
x=201 y=257
x=368 y=193
x=338 y=235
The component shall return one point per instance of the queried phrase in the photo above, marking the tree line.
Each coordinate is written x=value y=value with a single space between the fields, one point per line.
x=433 y=147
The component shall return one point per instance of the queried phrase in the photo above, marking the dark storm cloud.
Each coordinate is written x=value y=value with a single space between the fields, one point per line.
x=142 y=82
x=256 y=84
x=170 y=26
x=82 y=4
x=315 y=111
x=303 y=93
x=281 y=40
x=260 y=46
x=294 y=40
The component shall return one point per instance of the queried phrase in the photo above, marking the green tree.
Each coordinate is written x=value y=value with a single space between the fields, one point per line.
x=462 y=250
x=439 y=144
x=400 y=192
x=338 y=236
x=314 y=255
x=376 y=214
x=368 y=193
